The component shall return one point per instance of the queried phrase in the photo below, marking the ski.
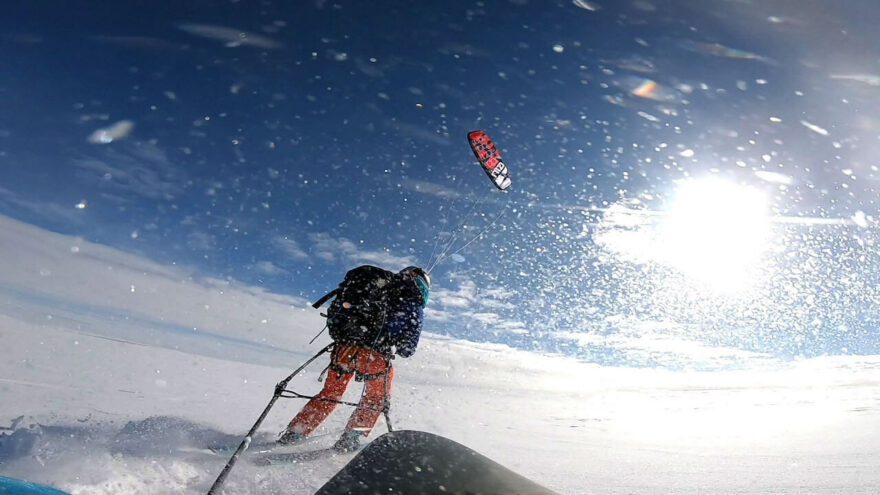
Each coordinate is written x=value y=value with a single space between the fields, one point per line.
x=276 y=459
x=268 y=446
x=254 y=447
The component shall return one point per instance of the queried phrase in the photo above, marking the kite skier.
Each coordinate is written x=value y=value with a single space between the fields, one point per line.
x=374 y=315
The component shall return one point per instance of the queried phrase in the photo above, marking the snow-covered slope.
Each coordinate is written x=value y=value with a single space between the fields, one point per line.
x=116 y=372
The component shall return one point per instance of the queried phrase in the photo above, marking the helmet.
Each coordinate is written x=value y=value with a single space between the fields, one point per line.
x=414 y=271
x=420 y=278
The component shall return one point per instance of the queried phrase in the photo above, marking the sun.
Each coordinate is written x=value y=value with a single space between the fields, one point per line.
x=716 y=232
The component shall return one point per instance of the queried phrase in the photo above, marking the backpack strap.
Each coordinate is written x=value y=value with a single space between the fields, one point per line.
x=326 y=297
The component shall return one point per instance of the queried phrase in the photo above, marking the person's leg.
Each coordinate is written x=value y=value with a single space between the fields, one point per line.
x=316 y=411
x=370 y=407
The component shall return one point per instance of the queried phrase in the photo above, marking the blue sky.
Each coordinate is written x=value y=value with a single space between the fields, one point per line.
x=333 y=133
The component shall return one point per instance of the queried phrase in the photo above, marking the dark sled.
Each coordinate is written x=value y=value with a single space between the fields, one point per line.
x=415 y=462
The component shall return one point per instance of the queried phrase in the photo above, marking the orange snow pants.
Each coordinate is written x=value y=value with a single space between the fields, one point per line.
x=345 y=361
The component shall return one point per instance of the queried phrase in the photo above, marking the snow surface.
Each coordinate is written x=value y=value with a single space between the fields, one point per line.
x=117 y=372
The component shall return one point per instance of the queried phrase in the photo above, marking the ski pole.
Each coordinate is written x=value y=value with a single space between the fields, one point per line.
x=386 y=401
x=218 y=483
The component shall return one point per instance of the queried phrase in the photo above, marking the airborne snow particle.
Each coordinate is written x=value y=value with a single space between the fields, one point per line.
x=81 y=205
x=814 y=128
x=645 y=88
x=687 y=153
x=774 y=177
x=614 y=100
x=107 y=135
x=859 y=219
x=558 y=48
x=648 y=116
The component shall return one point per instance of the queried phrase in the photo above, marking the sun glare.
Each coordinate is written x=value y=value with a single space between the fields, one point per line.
x=716 y=232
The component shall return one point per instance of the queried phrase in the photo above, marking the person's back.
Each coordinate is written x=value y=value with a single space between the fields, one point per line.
x=361 y=305
x=375 y=314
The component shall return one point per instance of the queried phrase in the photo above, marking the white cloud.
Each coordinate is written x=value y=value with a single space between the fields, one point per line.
x=449 y=299
x=430 y=188
x=268 y=268
x=332 y=249
x=468 y=302
x=492 y=303
x=46 y=209
x=501 y=325
x=437 y=315
x=690 y=350
x=200 y=241
x=418 y=132
x=468 y=294
x=628 y=232
x=487 y=319
x=72 y=280
x=462 y=296
x=231 y=37
x=138 y=167
x=497 y=292
x=492 y=322
x=289 y=248
x=672 y=344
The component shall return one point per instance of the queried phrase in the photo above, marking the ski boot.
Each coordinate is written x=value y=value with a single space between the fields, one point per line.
x=348 y=442
x=289 y=437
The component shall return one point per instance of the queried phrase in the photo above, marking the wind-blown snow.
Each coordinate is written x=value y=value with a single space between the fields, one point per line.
x=106 y=389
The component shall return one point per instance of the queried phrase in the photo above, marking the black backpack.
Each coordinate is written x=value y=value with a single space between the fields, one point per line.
x=358 y=311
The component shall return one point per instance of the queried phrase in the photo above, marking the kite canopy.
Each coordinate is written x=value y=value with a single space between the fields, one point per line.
x=489 y=158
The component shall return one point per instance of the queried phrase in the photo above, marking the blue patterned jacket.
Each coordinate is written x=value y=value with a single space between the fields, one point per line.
x=403 y=323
